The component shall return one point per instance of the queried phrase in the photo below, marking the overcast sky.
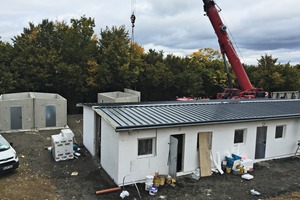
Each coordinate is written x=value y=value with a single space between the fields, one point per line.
x=177 y=27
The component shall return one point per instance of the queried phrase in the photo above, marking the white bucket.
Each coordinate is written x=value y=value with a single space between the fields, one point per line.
x=149 y=179
x=148 y=186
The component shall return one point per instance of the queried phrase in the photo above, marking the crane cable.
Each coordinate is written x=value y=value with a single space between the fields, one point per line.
x=132 y=18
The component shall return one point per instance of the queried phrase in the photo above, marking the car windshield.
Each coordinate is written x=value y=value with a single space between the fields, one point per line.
x=4 y=145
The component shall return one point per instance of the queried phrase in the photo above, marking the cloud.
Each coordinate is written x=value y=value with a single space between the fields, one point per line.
x=175 y=26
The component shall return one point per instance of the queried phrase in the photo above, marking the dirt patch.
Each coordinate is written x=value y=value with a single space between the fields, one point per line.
x=40 y=177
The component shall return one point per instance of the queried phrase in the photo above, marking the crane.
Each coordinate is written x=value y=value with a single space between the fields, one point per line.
x=227 y=48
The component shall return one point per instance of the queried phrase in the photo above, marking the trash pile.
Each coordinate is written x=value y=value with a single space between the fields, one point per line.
x=152 y=183
x=237 y=165
x=240 y=166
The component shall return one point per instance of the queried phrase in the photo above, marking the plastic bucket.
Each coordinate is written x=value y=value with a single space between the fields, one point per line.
x=153 y=190
x=149 y=179
x=156 y=182
x=148 y=186
x=228 y=170
x=162 y=180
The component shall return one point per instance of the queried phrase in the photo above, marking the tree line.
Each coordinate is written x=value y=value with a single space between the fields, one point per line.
x=73 y=61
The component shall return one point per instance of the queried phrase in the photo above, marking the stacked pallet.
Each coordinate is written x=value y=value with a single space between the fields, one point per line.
x=62 y=145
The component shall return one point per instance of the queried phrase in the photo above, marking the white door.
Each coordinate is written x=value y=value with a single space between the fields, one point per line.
x=173 y=156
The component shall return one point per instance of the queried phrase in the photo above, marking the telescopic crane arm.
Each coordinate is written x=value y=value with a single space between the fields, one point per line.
x=226 y=45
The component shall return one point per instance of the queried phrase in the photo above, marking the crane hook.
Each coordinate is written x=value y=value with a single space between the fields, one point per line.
x=132 y=17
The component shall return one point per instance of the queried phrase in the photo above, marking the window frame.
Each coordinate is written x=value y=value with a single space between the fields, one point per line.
x=282 y=131
x=153 y=151
x=235 y=139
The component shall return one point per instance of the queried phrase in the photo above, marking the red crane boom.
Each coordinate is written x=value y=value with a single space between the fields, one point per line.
x=248 y=91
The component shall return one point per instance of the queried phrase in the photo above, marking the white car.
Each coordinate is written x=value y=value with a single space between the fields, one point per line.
x=8 y=157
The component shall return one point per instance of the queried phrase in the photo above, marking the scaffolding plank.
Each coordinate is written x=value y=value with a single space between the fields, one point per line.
x=204 y=154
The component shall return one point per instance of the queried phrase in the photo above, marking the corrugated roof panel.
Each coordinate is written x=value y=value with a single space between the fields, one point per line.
x=167 y=114
x=173 y=118
x=122 y=116
x=136 y=116
x=157 y=116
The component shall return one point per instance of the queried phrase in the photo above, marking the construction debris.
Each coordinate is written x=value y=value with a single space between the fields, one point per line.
x=124 y=194
x=254 y=192
x=74 y=173
x=108 y=190
x=196 y=174
x=247 y=176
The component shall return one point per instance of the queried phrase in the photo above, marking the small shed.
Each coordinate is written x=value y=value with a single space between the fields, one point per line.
x=139 y=139
x=32 y=110
x=116 y=97
x=92 y=121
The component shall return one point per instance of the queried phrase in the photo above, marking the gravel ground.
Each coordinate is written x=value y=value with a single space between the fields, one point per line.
x=40 y=177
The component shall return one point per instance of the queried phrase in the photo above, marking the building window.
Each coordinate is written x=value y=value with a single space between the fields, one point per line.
x=146 y=146
x=239 y=136
x=279 y=131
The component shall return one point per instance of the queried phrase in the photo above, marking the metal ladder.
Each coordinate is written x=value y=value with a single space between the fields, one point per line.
x=297 y=151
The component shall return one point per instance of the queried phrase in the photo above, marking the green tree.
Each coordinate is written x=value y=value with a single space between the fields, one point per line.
x=186 y=77
x=155 y=79
x=135 y=64
x=289 y=78
x=72 y=61
x=79 y=49
x=272 y=76
x=54 y=57
x=267 y=75
x=114 y=58
x=7 y=81
x=214 y=77
x=206 y=55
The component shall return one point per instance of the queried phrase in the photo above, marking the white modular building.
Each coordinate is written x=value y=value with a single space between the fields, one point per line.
x=175 y=138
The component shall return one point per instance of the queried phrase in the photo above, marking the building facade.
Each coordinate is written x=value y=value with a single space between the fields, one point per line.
x=177 y=137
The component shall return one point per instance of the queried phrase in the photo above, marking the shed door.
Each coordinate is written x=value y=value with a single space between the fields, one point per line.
x=261 y=138
x=50 y=116
x=173 y=156
x=16 y=117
